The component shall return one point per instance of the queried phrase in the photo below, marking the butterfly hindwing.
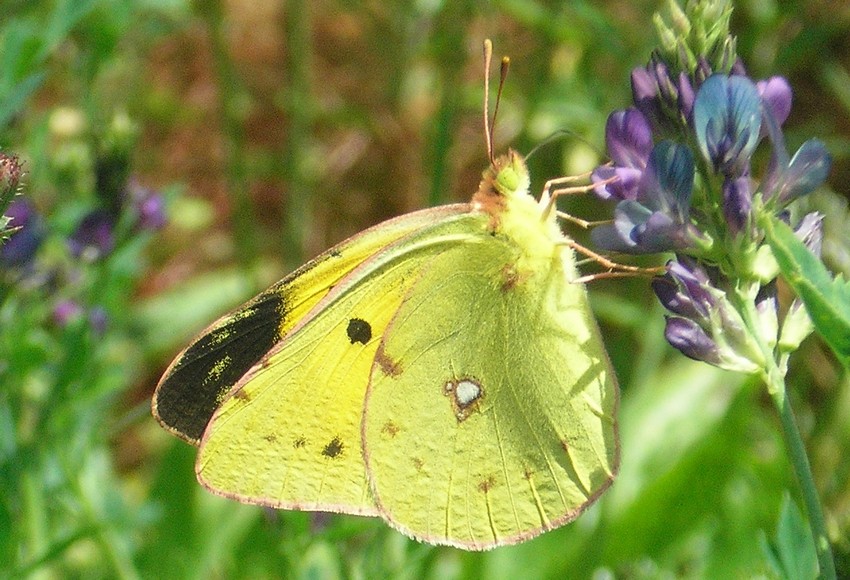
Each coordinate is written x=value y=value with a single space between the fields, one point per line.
x=201 y=376
x=491 y=418
x=289 y=434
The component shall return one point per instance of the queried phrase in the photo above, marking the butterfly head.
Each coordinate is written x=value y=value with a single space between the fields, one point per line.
x=504 y=180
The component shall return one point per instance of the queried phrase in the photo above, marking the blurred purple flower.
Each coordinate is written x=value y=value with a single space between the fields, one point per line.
x=98 y=320
x=148 y=206
x=65 y=312
x=22 y=245
x=94 y=237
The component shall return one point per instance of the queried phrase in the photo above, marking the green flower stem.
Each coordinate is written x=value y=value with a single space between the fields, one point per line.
x=803 y=470
x=775 y=379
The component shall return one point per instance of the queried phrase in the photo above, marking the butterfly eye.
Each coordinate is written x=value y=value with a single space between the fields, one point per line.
x=507 y=180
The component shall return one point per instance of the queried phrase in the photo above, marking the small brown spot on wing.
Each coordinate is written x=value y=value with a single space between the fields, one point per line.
x=388 y=366
x=487 y=484
x=333 y=449
x=390 y=429
x=418 y=463
x=528 y=473
x=565 y=445
x=241 y=395
x=299 y=442
x=270 y=437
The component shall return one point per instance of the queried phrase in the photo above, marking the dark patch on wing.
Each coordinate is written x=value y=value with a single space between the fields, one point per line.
x=200 y=379
x=333 y=449
x=486 y=485
x=388 y=366
x=359 y=331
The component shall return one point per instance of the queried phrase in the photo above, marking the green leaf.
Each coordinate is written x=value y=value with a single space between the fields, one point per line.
x=791 y=552
x=827 y=299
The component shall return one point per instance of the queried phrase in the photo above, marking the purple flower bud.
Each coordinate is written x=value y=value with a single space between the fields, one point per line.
x=738 y=68
x=686 y=96
x=22 y=245
x=94 y=237
x=691 y=340
x=775 y=93
x=703 y=71
x=645 y=94
x=737 y=203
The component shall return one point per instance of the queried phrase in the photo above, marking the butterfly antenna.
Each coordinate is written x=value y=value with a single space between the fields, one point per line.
x=503 y=74
x=488 y=130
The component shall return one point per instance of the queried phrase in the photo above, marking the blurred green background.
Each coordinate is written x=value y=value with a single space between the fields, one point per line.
x=271 y=130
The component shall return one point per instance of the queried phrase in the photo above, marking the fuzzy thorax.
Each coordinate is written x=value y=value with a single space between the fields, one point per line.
x=503 y=194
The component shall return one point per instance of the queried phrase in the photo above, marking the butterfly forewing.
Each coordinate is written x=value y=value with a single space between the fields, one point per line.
x=491 y=416
x=201 y=376
x=289 y=433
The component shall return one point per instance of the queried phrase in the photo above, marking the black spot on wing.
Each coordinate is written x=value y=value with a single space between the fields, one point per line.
x=359 y=331
x=333 y=449
x=196 y=384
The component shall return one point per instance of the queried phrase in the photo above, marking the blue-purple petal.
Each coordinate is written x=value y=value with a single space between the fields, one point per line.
x=624 y=185
x=607 y=237
x=776 y=95
x=628 y=137
x=668 y=181
x=727 y=119
x=807 y=171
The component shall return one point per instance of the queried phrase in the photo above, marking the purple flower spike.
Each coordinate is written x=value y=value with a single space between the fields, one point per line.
x=737 y=203
x=776 y=95
x=93 y=238
x=691 y=340
x=21 y=247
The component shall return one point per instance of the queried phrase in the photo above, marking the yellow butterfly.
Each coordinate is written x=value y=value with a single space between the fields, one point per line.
x=440 y=370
